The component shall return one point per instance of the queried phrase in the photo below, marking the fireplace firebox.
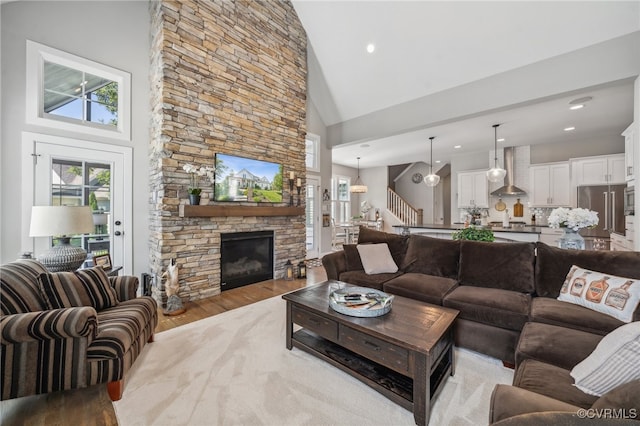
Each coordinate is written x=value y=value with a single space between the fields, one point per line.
x=245 y=258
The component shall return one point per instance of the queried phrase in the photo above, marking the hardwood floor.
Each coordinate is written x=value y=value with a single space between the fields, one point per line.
x=92 y=406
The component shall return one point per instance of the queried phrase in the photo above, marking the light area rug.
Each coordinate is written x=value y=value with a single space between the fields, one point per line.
x=234 y=369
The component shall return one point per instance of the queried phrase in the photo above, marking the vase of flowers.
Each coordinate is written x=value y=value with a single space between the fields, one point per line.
x=195 y=176
x=572 y=221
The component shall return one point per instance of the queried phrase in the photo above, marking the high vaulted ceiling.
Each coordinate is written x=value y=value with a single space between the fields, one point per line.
x=427 y=47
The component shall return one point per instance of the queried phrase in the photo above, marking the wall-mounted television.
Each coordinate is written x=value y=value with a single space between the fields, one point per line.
x=247 y=179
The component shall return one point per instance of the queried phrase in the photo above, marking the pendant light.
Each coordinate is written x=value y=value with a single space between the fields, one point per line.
x=496 y=174
x=431 y=179
x=358 y=187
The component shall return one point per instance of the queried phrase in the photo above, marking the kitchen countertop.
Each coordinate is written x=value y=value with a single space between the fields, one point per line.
x=524 y=229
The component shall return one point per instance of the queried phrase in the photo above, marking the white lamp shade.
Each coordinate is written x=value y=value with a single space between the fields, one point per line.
x=496 y=174
x=431 y=179
x=358 y=189
x=48 y=221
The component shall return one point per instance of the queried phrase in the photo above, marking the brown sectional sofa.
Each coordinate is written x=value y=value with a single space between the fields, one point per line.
x=506 y=294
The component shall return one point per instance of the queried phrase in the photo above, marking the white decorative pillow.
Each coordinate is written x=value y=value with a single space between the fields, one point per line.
x=614 y=362
x=605 y=293
x=376 y=258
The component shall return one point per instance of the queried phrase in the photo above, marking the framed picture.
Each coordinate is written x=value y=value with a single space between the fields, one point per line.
x=326 y=220
x=103 y=260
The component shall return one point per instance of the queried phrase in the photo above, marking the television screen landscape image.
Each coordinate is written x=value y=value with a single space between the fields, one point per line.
x=246 y=179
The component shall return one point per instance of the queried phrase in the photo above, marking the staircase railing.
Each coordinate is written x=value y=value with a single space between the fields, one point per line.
x=401 y=209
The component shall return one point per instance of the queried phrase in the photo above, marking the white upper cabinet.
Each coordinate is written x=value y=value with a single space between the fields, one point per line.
x=629 y=135
x=550 y=185
x=599 y=170
x=473 y=189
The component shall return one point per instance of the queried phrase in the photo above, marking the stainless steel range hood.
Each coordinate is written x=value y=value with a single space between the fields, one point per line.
x=509 y=188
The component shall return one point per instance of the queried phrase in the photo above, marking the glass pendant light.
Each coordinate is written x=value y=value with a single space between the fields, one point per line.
x=496 y=174
x=431 y=179
x=358 y=187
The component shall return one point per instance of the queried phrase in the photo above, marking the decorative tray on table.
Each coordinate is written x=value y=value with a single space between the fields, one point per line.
x=360 y=301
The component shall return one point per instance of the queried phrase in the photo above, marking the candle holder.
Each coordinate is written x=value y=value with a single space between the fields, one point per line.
x=291 y=192
x=299 y=188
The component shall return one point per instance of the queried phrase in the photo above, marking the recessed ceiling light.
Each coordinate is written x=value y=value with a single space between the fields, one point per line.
x=371 y=47
x=438 y=161
x=501 y=140
x=568 y=129
x=575 y=107
x=457 y=147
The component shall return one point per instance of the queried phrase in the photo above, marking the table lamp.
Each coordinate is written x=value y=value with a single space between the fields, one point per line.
x=63 y=222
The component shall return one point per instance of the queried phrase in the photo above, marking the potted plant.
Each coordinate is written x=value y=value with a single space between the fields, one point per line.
x=195 y=174
x=474 y=234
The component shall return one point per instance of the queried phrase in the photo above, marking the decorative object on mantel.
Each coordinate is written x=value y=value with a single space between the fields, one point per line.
x=496 y=173
x=299 y=187
x=64 y=222
x=571 y=221
x=195 y=174
x=358 y=187
x=288 y=270
x=171 y=287
x=302 y=270
x=431 y=179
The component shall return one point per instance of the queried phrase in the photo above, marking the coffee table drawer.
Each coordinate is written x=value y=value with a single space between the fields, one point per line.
x=385 y=353
x=316 y=323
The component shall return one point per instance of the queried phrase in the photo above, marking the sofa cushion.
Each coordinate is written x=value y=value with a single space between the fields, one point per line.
x=606 y=293
x=551 y=344
x=432 y=256
x=352 y=257
x=508 y=401
x=120 y=326
x=552 y=381
x=427 y=288
x=553 y=264
x=626 y=397
x=614 y=362
x=85 y=287
x=361 y=278
x=497 y=265
x=19 y=287
x=397 y=243
x=376 y=259
x=556 y=312
x=491 y=306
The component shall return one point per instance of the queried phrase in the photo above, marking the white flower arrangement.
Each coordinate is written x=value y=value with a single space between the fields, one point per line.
x=195 y=174
x=575 y=219
x=365 y=207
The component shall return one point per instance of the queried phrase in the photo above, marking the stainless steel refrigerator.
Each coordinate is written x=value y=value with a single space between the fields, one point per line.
x=608 y=201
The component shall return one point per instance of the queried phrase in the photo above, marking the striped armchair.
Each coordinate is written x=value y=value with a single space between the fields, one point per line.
x=47 y=350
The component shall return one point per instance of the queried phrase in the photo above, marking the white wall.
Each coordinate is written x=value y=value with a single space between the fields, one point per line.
x=420 y=196
x=112 y=33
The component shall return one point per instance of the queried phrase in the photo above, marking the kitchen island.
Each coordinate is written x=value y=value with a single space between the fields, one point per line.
x=522 y=233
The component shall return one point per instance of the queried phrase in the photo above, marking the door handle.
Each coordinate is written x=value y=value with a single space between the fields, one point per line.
x=117 y=223
x=613 y=211
x=117 y=233
x=606 y=211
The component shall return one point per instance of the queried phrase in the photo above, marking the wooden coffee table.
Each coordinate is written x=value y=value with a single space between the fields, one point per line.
x=406 y=355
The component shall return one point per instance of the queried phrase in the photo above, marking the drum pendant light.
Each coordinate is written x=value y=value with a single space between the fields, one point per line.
x=431 y=179
x=358 y=187
x=496 y=174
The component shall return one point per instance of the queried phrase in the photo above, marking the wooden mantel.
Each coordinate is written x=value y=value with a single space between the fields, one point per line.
x=187 y=210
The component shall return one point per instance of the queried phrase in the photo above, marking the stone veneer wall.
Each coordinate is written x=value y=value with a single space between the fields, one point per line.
x=228 y=77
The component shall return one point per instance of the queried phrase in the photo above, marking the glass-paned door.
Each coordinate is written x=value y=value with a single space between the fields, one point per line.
x=74 y=176
x=313 y=217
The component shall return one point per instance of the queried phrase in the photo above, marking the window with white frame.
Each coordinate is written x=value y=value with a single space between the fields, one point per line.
x=312 y=158
x=340 y=199
x=68 y=92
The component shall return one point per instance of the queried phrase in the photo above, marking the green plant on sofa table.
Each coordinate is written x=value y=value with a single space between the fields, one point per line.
x=474 y=234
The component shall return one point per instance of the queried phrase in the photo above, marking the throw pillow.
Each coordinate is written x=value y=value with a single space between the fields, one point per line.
x=614 y=362
x=86 y=287
x=604 y=293
x=376 y=259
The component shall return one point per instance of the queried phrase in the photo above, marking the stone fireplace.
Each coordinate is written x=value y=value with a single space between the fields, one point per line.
x=226 y=77
x=245 y=258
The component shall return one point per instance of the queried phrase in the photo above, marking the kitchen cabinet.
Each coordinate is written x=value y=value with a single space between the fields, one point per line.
x=620 y=243
x=599 y=170
x=550 y=185
x=550 y=236
x=473 y=189
x=629 y=143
